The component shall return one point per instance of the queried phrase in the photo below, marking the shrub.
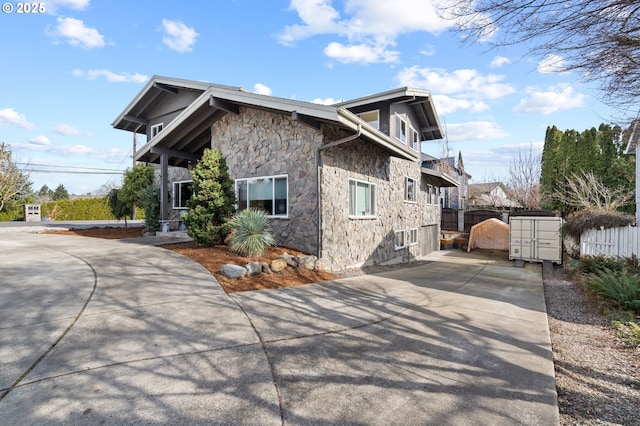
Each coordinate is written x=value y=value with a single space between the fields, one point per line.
x=252 y=232
x=211 y=203
x=620 y=286
x=593 y=264
x=151 y=206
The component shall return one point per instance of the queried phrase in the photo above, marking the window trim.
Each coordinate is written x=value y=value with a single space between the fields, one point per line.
x=413 y=241
x=372 y=196
x=179 y=197
x=396 y=235
x=156 y=129
x=273 y=199
x=415 y=139
x=407 y=199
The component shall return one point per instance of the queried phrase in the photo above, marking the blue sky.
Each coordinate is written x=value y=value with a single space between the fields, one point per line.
x=68 y=72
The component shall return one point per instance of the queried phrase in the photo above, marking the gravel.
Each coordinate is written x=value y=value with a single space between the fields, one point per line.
x=597 y=377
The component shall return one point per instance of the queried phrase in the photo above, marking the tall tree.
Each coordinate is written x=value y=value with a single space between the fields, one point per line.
x=14 y=183
x=134 y=182
x=524 y=178
x=60 y=193
x=44 y=194
x=600 y=39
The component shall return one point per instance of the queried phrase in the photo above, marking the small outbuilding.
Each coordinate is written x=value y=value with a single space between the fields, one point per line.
x=490 y=234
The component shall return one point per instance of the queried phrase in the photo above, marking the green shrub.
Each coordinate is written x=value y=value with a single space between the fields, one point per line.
x=252 y=232
x=80 y=209
x=620 y=286
x=593 y=264
x=151 y=206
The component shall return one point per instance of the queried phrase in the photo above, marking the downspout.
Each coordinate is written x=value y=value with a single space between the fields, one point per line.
x=318 y=176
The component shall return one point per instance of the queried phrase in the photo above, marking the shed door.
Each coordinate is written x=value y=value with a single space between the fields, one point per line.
x=429 y=239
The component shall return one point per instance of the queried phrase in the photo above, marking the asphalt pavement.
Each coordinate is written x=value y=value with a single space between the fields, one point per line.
x=123 y=332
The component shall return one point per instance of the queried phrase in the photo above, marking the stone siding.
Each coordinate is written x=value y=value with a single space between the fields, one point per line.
x=359 y=242
x=259 y=143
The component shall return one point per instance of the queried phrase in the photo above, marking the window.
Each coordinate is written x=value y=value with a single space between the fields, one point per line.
x=269 y=193
x=432 y=197
x=181 y=194
x=372 y=118
x=362 y=199
x=413 y=236
x=401 y=129
x=155 y=129
x=415 y=139
x=410 y=190
x=399 y=240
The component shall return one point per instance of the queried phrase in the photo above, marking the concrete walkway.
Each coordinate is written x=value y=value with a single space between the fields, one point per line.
x=119 y=332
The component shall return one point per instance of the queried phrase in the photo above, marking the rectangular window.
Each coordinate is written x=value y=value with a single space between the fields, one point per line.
x=413 y=236
x=269 y=193
x=410 y=190
x=362 y=199
x=415 y=139
x=432 y=195
x=372 y=118
x=155 y=129
x=181 y=194
x=401 y=129
x=399 y=240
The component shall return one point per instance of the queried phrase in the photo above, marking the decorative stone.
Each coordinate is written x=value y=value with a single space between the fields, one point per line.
x=254 y=268
x=278 y=265
x=265 y=268
x=306 y=262
x=289 y=259
x=233 y=271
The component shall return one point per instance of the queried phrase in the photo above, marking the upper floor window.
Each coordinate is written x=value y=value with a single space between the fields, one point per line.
x=155 y=129
x=181 y=193
x=362 y=199
x=372 y=118
x=268 y=193
x=415 y=139
x=432 y=196
x=401 y=129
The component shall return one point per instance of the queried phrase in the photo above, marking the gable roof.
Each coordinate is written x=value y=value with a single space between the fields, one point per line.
x=188 y=131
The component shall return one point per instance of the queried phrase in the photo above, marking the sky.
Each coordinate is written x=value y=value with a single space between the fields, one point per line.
x=67 y=71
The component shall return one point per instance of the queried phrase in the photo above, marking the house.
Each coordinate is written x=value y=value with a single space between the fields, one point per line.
x=491 y=195
x=451 y=197
x=343 y=182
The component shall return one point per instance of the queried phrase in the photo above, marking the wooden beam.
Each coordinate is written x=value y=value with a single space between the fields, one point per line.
x=224 y=105
x=136 y=119
x=173 y=153
x=305 y=120
x=165 y=88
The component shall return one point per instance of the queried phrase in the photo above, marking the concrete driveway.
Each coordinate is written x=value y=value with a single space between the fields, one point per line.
x=120 y=332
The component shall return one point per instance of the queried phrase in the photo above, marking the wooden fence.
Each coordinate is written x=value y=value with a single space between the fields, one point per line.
x=612 y=242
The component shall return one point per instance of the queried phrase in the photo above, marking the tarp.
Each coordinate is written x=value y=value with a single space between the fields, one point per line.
x=490 y=234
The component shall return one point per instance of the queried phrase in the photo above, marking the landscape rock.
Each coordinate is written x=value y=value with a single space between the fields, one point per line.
x=278 y=265
x=306 y=262
x=289 y=259
x=254 y=268
x=265 y=268
x=233 y=271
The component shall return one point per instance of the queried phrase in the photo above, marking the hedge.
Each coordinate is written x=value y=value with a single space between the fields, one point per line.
x=80 y=209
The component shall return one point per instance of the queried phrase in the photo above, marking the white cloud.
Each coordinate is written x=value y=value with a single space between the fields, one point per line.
x=465 y=83
x=9 y=117
x=370 y=26
x=40 y=140
x=556 y=98
x=499 y=61
x=111 y=76
x=474 y=131
x=552 y=64
x=111 y=155
x=261 y=89
x=77 y=34
x=361 y=53
x=428 y=50
x=66 y=130
x=446 y=104
x=178 y=36
x=326 y=101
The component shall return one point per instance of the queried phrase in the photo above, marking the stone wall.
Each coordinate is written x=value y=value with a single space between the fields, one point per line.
x=359 y=242
x=259 y=143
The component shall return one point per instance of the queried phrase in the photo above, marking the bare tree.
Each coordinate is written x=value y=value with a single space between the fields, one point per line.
x=12 y=179
x=584 y=191
x=598 y=38
x=524 y=178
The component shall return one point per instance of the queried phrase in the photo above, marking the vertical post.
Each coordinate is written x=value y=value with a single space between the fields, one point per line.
x=164 y=186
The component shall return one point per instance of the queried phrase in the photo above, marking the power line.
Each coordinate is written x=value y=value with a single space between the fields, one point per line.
x=69 y=167
x=77 y=172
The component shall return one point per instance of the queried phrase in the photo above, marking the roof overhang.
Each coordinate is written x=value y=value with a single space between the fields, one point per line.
x=439 y=179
